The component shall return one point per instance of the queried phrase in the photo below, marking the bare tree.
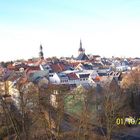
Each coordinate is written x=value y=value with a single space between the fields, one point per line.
x=131 y=85
x=113 y=102
x=27 y=106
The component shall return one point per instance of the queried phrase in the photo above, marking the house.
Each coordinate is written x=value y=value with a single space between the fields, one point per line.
x=8 y=86
x=58 y=78
x=73 y=79
x=87 y=76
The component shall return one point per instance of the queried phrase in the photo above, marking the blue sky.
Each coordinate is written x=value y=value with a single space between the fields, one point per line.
x=106 y=27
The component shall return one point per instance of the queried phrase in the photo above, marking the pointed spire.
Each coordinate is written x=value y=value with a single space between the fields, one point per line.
x=41 y=52
x=81 y=50
x=80 y=43
x=41 y=47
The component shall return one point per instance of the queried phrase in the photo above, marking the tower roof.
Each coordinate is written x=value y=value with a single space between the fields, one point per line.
x=41 y=47
x=82 y=56
x=41 y=55
x=80 y=48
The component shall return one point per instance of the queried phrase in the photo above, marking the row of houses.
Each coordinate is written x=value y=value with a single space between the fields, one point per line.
x=73 y=77
x=59 y=73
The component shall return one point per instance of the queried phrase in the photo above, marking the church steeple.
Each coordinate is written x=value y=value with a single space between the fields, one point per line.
x=41 y=55
x=80 y=43
x=81 y=50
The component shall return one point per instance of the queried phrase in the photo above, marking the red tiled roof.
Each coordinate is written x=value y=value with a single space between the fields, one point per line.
x=72 y=76
x=58 y=67
x=74 y=64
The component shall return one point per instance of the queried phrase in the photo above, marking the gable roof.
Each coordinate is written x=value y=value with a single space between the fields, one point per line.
x=58 y=67
x=82 y=56
x=72 y=76
x=88 y=66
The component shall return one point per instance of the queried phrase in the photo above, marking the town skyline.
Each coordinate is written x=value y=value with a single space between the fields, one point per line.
x=106 y=28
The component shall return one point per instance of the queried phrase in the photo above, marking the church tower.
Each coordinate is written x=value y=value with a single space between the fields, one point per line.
x=81 y=53
x=81 y=50
x=41 y=55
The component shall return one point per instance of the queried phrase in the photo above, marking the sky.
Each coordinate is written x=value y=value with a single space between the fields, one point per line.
x=106 y=27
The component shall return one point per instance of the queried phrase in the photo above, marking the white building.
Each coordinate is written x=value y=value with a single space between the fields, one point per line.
x=73 y=78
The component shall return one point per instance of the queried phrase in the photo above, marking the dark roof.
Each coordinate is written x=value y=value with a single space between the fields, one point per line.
x=69 y=68
x=62 y=75
x=84 y=75
x=82 y=56
x=88 y=67
x=102 y=74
